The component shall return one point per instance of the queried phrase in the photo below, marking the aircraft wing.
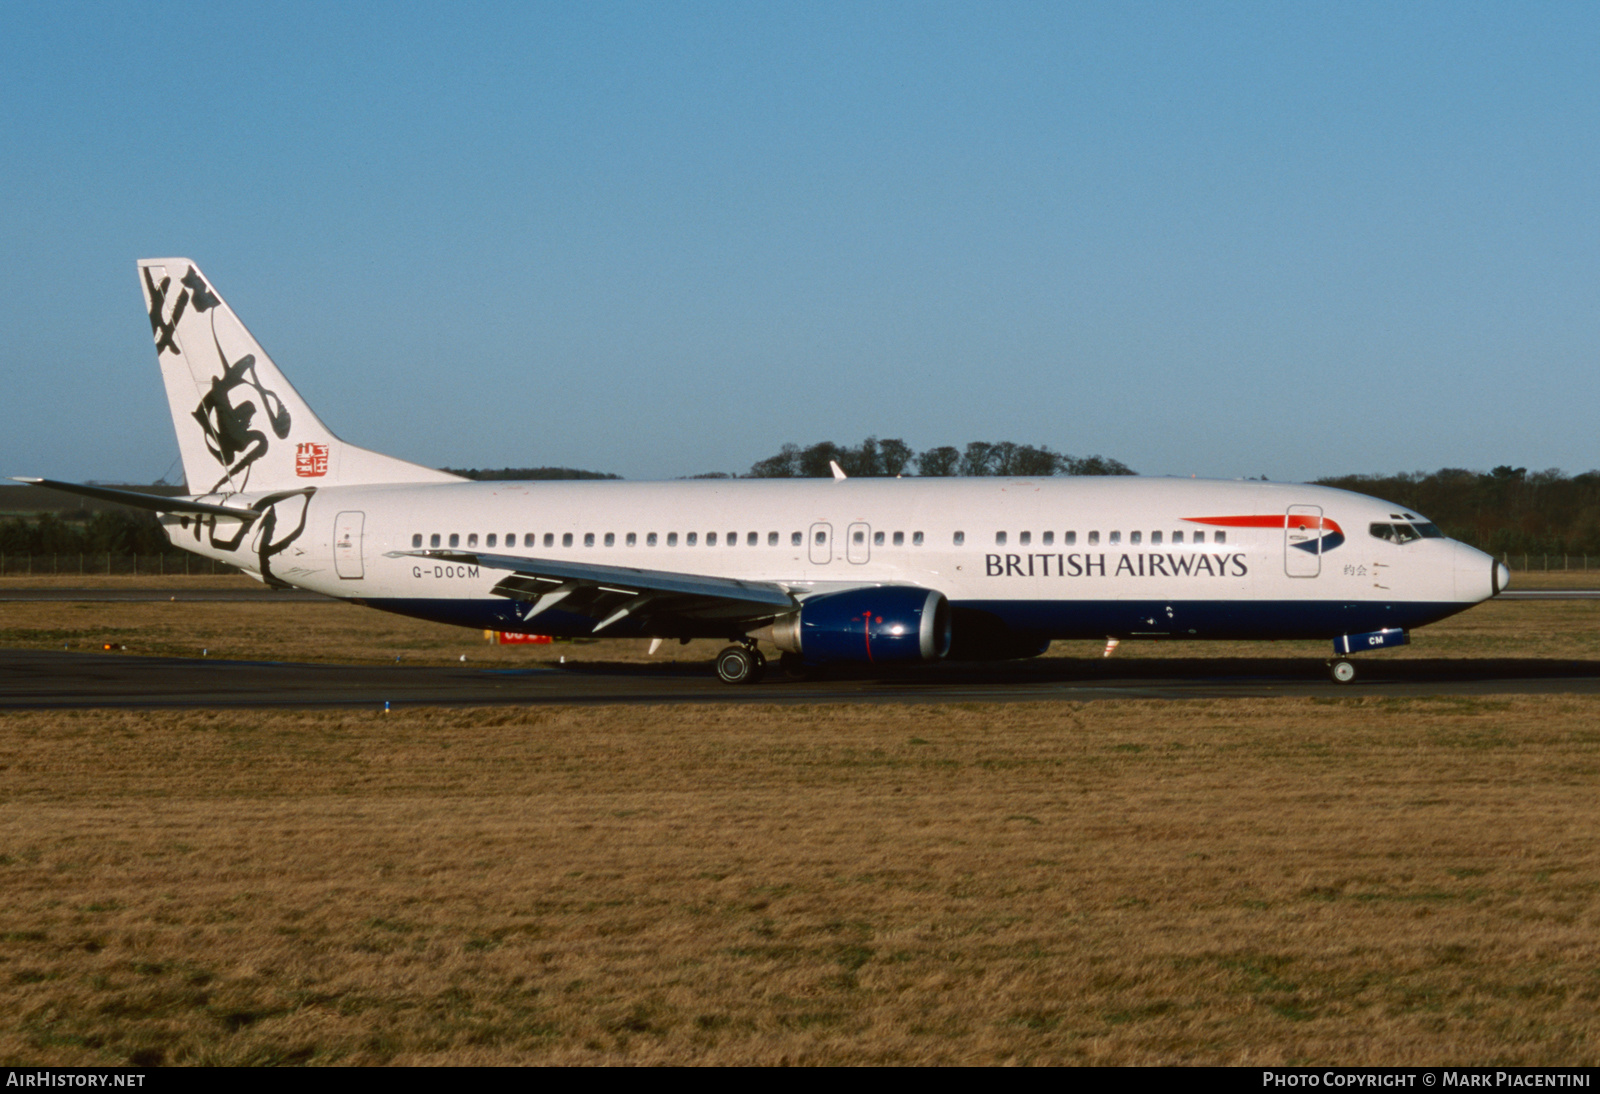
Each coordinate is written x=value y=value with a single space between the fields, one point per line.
x=610 y=593
x=153 y=502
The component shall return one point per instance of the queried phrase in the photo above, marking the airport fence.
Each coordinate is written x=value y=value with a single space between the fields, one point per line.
x=104 y=564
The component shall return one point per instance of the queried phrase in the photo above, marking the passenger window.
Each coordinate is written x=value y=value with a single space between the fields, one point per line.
x=711 y=539
x=490 y=540
x=672 y=539
x=916 y=539
x=899 y=539
x=1134 y=537
x=549 y=539
x=1094 y=539
x=1177 y=537
x=588 y=539
x=859 y=537
x=455 y=539
x=416 y=540
x=733 y=539
x=650 y=540
x=1049 y=538
x=633 y=539
x=472 y=539
x=795 y=539
x=877 y=539
x=822 y=537
x=566 y=539
x=753 y=539
x=772 y=539
x=960 y=538
x=1217 y=537
x=999 y=539
x=611 y=539
x=1070 y=539
x=691 y=539
x=1155 y=539
x=433 y=540
x=1025 y=538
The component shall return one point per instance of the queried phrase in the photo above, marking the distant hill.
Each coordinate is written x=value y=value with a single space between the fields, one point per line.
x=519 y=474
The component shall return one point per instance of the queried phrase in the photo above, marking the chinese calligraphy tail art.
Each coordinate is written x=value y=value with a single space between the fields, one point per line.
x=244 y=429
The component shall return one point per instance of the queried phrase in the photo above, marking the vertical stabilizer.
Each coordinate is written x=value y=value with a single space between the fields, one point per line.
x=241 y=427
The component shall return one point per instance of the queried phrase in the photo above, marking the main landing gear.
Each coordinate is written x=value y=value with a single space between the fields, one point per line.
x=742 y=664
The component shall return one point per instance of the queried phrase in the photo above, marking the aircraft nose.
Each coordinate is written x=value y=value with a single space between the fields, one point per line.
x=1478 y=576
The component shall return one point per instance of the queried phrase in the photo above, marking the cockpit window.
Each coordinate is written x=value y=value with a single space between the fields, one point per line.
x=1399 y=532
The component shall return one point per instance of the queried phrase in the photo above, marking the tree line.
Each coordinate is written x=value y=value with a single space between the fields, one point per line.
x=110 y=531
x=1504 y=511
x=890 y=457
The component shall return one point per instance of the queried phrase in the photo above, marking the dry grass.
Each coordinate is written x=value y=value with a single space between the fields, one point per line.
x=1254 y=882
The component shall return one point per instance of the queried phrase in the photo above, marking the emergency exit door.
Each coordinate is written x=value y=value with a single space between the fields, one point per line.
x=347 y=544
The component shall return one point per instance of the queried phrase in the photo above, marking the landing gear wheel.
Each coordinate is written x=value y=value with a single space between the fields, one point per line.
x=738 y=665
x=1342 y=671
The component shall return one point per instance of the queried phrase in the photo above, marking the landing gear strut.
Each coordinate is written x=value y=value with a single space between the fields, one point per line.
x=741 y=664
x=1341 y=671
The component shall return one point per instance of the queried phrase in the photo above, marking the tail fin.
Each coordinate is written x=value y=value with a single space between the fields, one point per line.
x=240 y=425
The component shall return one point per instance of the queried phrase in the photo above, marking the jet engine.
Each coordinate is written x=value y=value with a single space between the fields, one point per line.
x=876 y=624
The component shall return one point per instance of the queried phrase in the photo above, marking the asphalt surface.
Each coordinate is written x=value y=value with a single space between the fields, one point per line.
x=49 y=679
x=57 y=680
x=1550 y=594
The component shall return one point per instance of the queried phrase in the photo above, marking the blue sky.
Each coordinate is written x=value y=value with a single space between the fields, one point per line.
x=661 y=239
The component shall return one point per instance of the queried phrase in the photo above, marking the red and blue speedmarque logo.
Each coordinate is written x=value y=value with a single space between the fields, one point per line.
x=1322 y=534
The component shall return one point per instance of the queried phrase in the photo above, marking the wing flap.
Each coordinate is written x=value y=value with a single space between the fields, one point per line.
x=610 y=593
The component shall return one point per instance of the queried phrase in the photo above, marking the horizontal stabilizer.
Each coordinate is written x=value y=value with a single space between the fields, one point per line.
x=153 y=502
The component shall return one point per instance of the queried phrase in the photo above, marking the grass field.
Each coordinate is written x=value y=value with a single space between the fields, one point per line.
x=1252 y=882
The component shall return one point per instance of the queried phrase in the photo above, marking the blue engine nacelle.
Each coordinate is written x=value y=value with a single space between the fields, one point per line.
x=876 y=625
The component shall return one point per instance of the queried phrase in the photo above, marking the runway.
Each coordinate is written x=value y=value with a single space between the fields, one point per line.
x=56 y=680
x=1550 y=594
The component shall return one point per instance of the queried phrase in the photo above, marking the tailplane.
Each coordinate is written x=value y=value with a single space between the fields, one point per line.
x=241 y=427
